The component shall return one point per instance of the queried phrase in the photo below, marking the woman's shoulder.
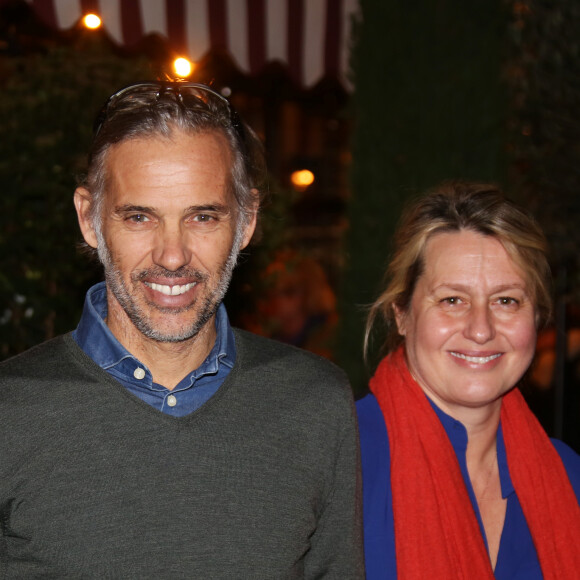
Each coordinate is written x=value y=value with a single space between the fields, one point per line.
x=571 y=461
x=370 y=417
x=374 y=440
x=379 y=531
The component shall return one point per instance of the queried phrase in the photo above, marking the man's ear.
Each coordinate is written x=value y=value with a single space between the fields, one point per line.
x=400 y=319
x=251 y=225
x=83 y=201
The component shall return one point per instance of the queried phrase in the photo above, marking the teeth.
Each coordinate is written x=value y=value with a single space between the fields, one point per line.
x=171 y=290
x=476 y=359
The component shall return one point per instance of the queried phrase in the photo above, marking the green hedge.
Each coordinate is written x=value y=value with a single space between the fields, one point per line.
x=428 y=106
x=47 y=105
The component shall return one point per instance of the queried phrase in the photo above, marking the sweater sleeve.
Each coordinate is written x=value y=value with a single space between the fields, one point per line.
x=337 y=545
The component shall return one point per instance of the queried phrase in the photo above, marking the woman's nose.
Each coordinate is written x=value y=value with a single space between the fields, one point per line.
x=479 y=325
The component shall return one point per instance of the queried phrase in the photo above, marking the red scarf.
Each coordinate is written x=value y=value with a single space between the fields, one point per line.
x=436 y=530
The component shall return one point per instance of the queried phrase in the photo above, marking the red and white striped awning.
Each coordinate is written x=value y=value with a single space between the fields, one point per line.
x=310 y=37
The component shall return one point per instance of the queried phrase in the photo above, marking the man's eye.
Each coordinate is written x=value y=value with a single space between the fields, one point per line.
x=138 y=218
x=203 y=218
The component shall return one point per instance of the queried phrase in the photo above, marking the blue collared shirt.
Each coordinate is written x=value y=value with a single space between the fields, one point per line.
x=196 y=388
x=517 y=557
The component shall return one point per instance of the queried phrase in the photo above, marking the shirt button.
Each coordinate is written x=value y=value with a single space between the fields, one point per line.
x=139 y=373
x=171 y=401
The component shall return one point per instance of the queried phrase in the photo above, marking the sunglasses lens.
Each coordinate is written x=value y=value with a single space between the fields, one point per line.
x=188 y=95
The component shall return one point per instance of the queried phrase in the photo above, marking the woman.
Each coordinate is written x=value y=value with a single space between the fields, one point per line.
x=459 y=479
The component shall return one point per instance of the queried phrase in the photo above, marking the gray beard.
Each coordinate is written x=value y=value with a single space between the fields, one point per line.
x=117 y=286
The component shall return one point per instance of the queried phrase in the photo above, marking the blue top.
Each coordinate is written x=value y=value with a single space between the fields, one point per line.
x=197 y=386
x=517 y=557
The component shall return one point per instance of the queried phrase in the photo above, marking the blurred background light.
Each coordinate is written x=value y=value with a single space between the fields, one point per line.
x=92 y=21
x=183 y=67
x=302 y=179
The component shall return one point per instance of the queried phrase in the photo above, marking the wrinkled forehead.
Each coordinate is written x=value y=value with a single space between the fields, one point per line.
x=210 y=146
x=199 y=161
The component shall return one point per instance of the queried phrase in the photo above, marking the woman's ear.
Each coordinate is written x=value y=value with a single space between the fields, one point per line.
x=83 y=202
x=400 y=319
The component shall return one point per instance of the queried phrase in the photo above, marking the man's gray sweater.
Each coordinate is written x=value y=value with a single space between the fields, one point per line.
x=260 y=482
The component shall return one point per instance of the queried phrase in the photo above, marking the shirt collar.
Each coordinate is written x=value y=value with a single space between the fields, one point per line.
x=94 y=337
x=457 y=434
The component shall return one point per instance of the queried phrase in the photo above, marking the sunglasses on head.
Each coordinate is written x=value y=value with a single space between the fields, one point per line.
x=183 y=92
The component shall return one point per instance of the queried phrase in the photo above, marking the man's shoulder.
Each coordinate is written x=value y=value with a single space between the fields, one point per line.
x=37 y=356
x=31 y=385
x=273 y=377
x=44 y=362
x=263 y=352
x=292 y=370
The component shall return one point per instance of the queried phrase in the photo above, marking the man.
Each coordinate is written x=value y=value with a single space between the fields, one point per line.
x=155 y=441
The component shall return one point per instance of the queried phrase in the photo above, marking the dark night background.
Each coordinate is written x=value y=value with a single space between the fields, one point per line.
x=485 y=90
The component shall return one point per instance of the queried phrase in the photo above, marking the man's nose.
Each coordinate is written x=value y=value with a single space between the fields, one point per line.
x=171 y=250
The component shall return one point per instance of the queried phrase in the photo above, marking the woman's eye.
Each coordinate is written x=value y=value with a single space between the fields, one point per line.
x=508 y=301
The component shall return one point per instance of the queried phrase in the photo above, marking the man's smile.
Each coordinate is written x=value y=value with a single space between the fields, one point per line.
x=171 y=290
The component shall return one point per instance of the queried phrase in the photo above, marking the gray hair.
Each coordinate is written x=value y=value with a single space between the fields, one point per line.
x=155 y=108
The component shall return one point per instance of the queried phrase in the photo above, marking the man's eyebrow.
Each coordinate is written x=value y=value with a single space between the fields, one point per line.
x=210 y=207
x=128 y=208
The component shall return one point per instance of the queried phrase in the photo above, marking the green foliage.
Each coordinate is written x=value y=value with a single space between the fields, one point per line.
x=47 y=105
x=428 y=106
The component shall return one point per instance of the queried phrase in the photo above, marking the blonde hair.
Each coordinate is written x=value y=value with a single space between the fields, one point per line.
x=451 y=207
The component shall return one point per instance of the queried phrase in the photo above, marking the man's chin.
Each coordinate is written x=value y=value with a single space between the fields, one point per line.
x=161 y=331
x=168 y=337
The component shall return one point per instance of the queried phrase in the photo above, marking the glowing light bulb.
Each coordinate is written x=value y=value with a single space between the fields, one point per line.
x=183 y=67
x=92 y=21
x=302 y=179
